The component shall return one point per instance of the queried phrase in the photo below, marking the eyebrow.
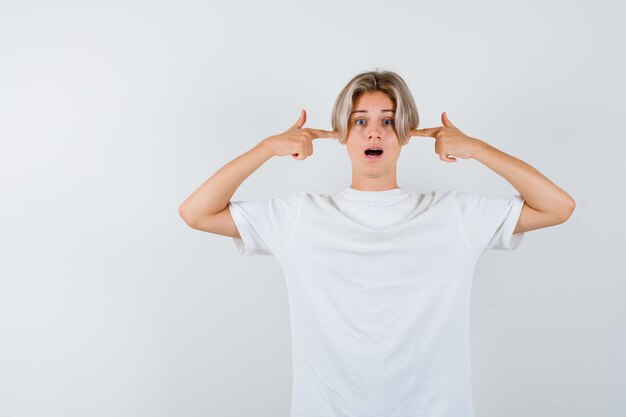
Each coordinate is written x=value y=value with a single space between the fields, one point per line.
x=365 y=111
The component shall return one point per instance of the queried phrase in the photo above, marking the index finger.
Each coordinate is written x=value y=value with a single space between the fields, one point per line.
x=428 y=131
x=320 y=133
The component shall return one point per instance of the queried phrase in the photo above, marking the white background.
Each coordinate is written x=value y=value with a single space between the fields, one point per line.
x=112 y=113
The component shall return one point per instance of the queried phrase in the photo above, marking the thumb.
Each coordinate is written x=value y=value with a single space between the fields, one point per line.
x=445 y=120
x=301 y=120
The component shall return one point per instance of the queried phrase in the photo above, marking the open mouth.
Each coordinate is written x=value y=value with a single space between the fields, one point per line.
x=373 y=153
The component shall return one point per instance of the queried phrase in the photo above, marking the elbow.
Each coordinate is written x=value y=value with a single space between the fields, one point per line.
x=571 y=207
x=567 y=210
x=182 y=213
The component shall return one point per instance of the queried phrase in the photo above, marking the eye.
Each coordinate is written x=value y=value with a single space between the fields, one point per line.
x=390 y=120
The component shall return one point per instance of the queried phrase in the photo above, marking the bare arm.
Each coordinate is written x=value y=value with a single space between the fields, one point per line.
x=545 y=203
x=214 y=194
x=207 y=208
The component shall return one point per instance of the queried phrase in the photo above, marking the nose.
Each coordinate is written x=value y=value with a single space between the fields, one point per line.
x=373 y=133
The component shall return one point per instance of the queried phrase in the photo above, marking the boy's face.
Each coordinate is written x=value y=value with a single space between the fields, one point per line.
x=372 y=125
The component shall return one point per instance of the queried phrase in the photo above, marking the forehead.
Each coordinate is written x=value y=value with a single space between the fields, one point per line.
x=372 y=102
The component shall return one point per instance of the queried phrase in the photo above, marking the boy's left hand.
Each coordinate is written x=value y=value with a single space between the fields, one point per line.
x=449 y=140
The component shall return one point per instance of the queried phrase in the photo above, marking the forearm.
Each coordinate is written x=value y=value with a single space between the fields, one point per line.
x=537 y=190
x=215 y=193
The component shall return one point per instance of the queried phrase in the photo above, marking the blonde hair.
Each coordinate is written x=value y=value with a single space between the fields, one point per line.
x=390 y=83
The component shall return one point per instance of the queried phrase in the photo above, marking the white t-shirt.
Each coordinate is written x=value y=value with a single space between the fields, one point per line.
x=378 y=284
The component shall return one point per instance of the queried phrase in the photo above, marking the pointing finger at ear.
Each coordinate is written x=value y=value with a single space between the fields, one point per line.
x=429 y=131
x=319 y=133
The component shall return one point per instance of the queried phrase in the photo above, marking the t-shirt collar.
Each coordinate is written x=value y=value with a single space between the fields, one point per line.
x=390 y=195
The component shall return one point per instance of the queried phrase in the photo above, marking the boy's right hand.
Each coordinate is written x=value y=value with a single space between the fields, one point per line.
x=297 y=141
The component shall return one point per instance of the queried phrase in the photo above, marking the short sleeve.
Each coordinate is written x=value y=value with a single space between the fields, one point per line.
x=265 y=226
x=489 y=221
